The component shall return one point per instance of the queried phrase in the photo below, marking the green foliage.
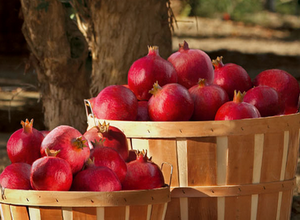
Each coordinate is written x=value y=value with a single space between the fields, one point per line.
x=238 y=9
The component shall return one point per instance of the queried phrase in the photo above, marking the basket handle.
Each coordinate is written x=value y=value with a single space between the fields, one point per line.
x=89 y=110
x=171 y=172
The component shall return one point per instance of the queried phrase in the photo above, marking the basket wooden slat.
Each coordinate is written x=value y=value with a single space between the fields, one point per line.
x=49 y=205
x=223 y=154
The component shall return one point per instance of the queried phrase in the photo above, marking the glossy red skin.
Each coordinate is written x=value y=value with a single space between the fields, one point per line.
x=114 y=138
x=61 y=138
x=115 y=102
x=172 y=103
x=236 y=110
x=143 y=114
x=16 y=176
x=96 y=178
x=232 y=77
x=265 y=99
x=207 y=100
x=51 y=173
x=192 y=65
x=145 y=71
x=23 y=147
x=109 y=157
x=285 y=84
x=143 y=175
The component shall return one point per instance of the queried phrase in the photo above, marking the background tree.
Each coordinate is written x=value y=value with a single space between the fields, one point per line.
x=117 y=32
x=58 y=54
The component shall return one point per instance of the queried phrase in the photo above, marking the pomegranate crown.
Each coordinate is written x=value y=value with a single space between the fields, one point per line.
x=218 y=63
x=27 y=126
x=51 y=152
x=156 y=88
x=153 y=50
x=104 y=127
x=80 y=142
x=142 y=156
x=184 y=46
x=238 y=96
x=202 y=82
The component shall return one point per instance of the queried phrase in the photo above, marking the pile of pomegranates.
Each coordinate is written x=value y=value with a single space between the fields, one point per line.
x=190 y=86
x=63 y=159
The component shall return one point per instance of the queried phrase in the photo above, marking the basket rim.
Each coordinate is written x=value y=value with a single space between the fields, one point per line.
x=175 y=129
x=85 y=198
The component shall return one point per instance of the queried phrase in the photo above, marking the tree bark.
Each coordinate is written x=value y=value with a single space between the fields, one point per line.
x=119 y=32
x=270 y=5
x=58 y=53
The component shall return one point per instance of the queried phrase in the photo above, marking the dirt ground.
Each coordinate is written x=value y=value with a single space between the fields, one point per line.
x=254 y=47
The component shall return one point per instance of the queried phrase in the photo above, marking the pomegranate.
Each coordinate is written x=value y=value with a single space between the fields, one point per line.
x=237 y=109
x=111 y=136
x=285 y=84
x=51 y=173
x=70 y=143
x=208 y=98
x=172 y=102
x=231 y=77
x=191 y=65
x=142 y=173
x=115 y=102
x=96 y=178
x=147 y=70
x=265 y=99
x=16 y=176
x=109 y=157
x=24 y=144
x=143 y=114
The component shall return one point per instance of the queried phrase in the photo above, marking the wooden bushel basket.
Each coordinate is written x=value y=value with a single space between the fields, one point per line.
x=58 y=205
x=240 y=169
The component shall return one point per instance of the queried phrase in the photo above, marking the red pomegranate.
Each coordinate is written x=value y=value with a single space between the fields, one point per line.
x=142 y=173
x=231 y=77
x=191 y=65
x=237 y=109
x=70 y=143
x=51 y=173
x=147 y=70
x=109 y=157
x=143 y=114
x=115 y=102
x=208 y=98
x=265 y=99
x=16 y=176
x=96 y=178
x=172 y=102
x=285 y=84
x=110 y=136
x=24 y=144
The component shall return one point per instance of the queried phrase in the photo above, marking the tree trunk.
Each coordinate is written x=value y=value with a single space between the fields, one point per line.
x=118 y=33
x=270 y=5
x=58 y=53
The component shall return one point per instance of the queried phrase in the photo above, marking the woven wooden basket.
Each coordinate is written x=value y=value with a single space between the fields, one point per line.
x=240 y=169
x=56 y=205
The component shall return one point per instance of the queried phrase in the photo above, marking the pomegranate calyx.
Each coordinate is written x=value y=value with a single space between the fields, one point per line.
x=218 y=63
x=79 y=142
x=27 y=126
x=51 y=152
x=89 y=163
x=99 y=143
x=153 y=50
x=104 y=127
x=184 y=46
x=156 y=88
x=202 y=82
x=238 y=96
x=141 y=156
